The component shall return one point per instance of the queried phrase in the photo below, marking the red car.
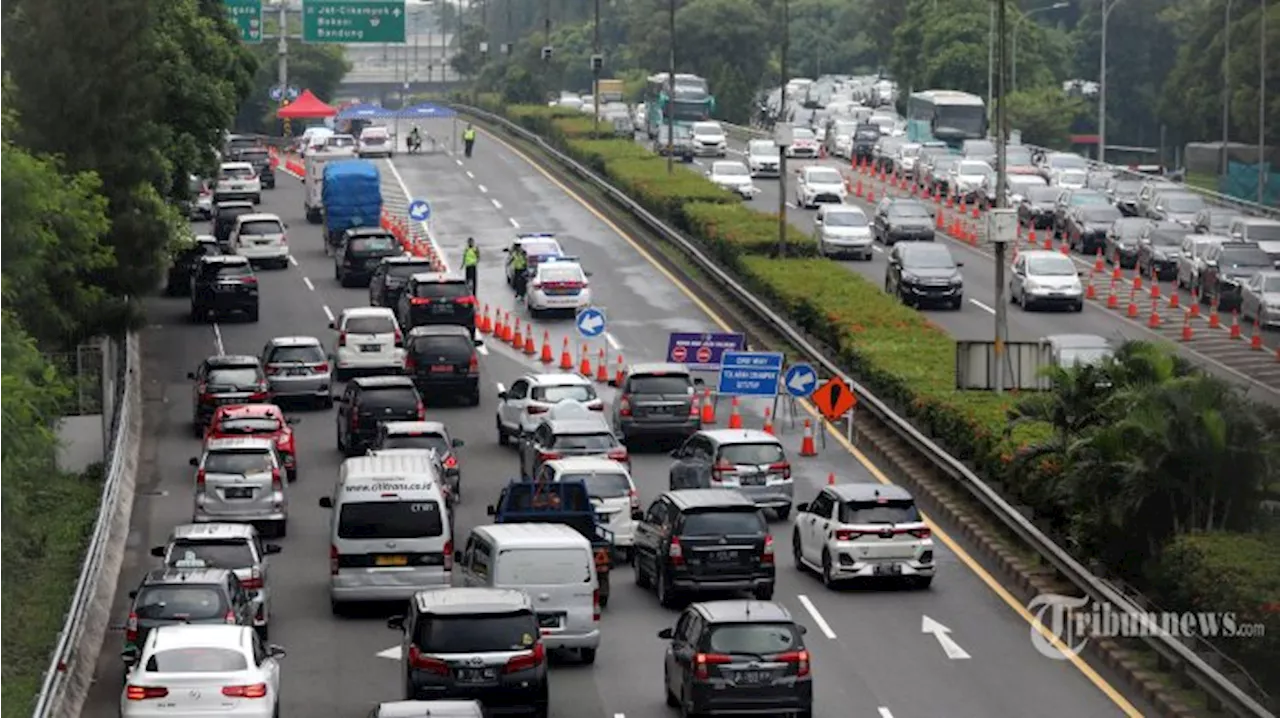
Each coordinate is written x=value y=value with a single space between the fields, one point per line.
x=260 y=420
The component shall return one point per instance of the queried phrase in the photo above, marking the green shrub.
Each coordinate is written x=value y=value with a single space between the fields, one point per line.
x=580 y=127
x=595 y=153
x=734 y=229
x=647 y=181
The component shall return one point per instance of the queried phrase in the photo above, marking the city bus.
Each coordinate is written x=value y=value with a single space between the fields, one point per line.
x=693 y=101
x=946 y=116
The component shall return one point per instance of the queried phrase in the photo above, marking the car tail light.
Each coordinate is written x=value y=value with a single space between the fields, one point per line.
x=284 y=239
x=450 y=462
x=229 y=618
x=399 y=337
x=781 y=467
x=448 y=555
x=624 y=405
x=693 y=408
x=321 y=368
x=547 y=456
x=635 y=499
x=473 y=364
x=702 y=660
x=200 y=479
x=595 y=605
x=422 y=412
x=799 y=658
x=420 y=301
x=526 y=661
x=430 y=664
x=131 y=628
x=276 y=480
x=847 y=534
x=923 y=533
x=142 y=693
x=469 y=301
x=721 y=467
x=342 y=339
x=596 y=405
x=256 y=690
x=675 y=552
x=410 y=364
x=618 y=454
x=537 y=409
x=535 y=285
x=272 y=370
x=767 y=556
x=254 y=582
x=333 y=560
x=249 y=280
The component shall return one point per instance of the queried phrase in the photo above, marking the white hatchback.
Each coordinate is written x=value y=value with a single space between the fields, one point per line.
x=375 y=142
x=237 y=180
x=369 y=339
x=262 y=239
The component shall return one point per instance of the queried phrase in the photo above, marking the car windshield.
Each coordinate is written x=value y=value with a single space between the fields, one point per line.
x=228 y=554
x=1043 y=195
x=249 y=425
x=679 y=384
x=942 y=165
x=238 y=462
x=928 y=257
x=236 y=172
x=1072 y=177
x=974 y=168
x=824 y=176
x=374 y=133
x=476 y=633
x=585 y=442
x=866 y=133
x=1059 y=162
x=564 y=274
x=908 y=210
x=1100 y=214
x=540 y=249
x=254 y=156
x=200 y=659
x=1017 y=156
x=1263 y=232
x=1271 y=283
x=751 y=454
x=602 y=485
x=370 y=325
x=381 y=244
x=1050 y=267
x=434 y=442
x=404 y=270
x=1167 y=239
x=754 y=639
x=707 y=130
x=881 y=511
x=731 y=169
x=719 y=523
x=763 y=149
x=396 y=398
x=1219 y=221
x=844 y=219
x=1235 y=257
x=543 y=567
x=1129 y=227
x=304 y=354
x=389 y=520
x=233 y=376
x=569 y=392
x=180 y=603
x=443 y=290
x=1127 y=188
x=1183 y=203
x=1082 y=197
x=1084 y=356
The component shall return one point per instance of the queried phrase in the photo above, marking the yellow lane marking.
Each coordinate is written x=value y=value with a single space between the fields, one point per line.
x=1003 y=594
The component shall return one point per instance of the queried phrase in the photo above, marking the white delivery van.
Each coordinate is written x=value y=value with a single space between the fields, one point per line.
x=552 y=563
x=313 y=201
x=390 y=534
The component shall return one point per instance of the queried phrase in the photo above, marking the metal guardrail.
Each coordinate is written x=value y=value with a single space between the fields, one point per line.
x=1214 y=684
x=56 y=674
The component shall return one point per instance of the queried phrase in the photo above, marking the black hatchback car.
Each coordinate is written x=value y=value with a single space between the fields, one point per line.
x=225 y=379
x=731 y=656
x=437 y=298
x=391 y=277
x=369 y=401
x=441 y=359
x=225 y=215
x=223 y=285
x=360 y=252
x=924 y=273
x=185 y=594
x=182 y=268
x=1158 y=253
x=694 y=541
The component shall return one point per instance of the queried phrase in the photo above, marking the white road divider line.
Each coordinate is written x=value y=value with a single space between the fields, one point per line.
x=496 y=204
x=817 y=617
x=513 y=222
x=307 y=281
x=884 y=712
x=293 y=261
x=217 y=339
x=327 y=311
x=469 y=174
x=982 y=306
x=435 y=246
x=458 y=161
x=483 y=350
x=613 y=343
x=483 y=188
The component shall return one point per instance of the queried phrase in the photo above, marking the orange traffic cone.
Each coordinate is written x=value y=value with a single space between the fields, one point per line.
x=497 y=326
x=1153 y=321
x=1214 y=321
x=546 y=348
x=871 y=196
x=1175 y=299
x=1090 y=292
x=1031 y=236
x=584 y=367
x=620 y=375
x=831 y=479
x=1155 y=287
x=807 y=446
x=1048 y=241
x=517 y=338
x=530 y=348
x=1187 y=331
x=1255 y=340
x=1113 y=302
x=1235 y=323
x=506 y=327
x=1098 y=265
x=735 y=419
x=1132 y=311
x=708 y=409
x=1194 y=309
x=566 y=357
x=602 y=372
x=485 y=326
x=768 y=420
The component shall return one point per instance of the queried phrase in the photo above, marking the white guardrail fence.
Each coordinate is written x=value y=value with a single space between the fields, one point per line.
x=1219 y=689
x=71 y=666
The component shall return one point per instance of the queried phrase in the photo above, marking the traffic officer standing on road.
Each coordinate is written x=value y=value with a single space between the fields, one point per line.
x=468 y=139
x=470 y=258
x=519 y=265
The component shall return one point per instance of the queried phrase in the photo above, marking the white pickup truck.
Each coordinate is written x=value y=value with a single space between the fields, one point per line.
x=314 y=181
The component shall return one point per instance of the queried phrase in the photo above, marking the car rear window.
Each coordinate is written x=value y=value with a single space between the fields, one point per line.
x=660 y=384
x=373 y=245
x=602 y=485
x=476 y=634
x=236 y=172
x=261 y=227
x=249 y=425
x=561 y=274
x=404 y=270
x=569 y=392
x=238 y=462
x=254 y=156
x=309 y=354
x=234 y=271
x=370 y=325
x=388 y=520
x=585 y=442
x=540 y=248
x=751 y=453
x=450 y=347
x=753 y=639
x=879 y=512
x=197 y=660
x=186 y=602
x=417 y=441
x=400 y=398
x=233 y=376
x=443 y=290
x=543 y=566
x=719 y=523
x=229 y=554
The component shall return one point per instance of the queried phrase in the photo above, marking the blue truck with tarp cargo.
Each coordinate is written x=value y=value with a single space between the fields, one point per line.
x=352 y=197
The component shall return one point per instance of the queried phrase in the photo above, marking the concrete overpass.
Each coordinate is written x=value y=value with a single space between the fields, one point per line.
x=381 y=72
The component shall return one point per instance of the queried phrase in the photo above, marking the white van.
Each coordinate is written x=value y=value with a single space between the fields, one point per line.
x=390 y=533
x=554 y=564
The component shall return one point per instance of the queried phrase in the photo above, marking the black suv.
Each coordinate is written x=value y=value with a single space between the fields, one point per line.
x=477 y=643
x=696 y=540
x=182 y=268
x=442 y=359
x=584 y=435
x=865 y=137
x=260 y=158
x=391 y=277
x=1158 y=253
x=1086 y=227
x=367 y=402
x=222 y=285
x=728 y=656
x=437 y=298
x=359 y=253
x=225 y=215
x=185 y=594
x=226 y=379
x=902 y=220
x=657 y=400
x=923 y=273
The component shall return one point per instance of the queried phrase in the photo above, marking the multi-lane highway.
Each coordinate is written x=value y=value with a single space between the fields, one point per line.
x=1255 y=371
x=870 y=655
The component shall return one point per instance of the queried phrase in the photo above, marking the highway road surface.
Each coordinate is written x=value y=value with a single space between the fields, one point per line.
x=870 y=654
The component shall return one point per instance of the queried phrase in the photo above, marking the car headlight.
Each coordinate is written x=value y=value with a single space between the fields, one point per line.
x=1031 y=286
x=957 y=281
x=910 y=278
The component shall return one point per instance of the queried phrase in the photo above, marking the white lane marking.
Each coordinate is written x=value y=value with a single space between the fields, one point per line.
x=619 y=715
x=293 y=261
x=982 y=306
x=469 y=174
x=884 y=712
x=217 y=339
x=327 y=311
x=496 y=204
x=877 y=248
x=817 y=617
x=307 y=281
x=483 y=188
x=513 y=222
x=435 y=246
x=458 y=161
x=943 y=634
x=393 y=653
x=614 y=343
x=791 y=205
x=484 y=350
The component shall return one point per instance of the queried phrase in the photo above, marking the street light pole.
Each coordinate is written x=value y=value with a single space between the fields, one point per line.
x=1002 y=141
x=1262 y=105
x=1226 y=90
x=671 y=89
x=1017 y=26
x=782 y=152
x=1107 y=7
x=991 y=56
x=595 y=71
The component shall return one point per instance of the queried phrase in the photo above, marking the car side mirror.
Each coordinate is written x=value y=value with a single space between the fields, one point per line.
x=959 y=265
x=157 y=551
x=802 y=507
x=193 y=461
x=803 y=629
x=613 y=383
x=637 y=515
x=129 y=655
x=590 y=274
x=490 y=510
x=326 y=502
x=192 y=375
x=502 y=396
x=699 y=381
x=272 y=549
x=817 y=219
x=396 y=623
x=276 y=652
x=333 y=325
x=457 y=556
x=133 y=593
x=457 y=443
x=666 y=634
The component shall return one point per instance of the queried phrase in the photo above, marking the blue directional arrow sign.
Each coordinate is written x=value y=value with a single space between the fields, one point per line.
x=293 y=93
x=750 y=373
x=591 y=322
x=277 y=93
x=800 y=380
x=420 y=210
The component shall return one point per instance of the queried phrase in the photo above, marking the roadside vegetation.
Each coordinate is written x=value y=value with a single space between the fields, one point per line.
x=93 y=169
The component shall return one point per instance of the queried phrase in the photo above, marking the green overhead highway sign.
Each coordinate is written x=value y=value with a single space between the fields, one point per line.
x=373 y=21
x=247 y=17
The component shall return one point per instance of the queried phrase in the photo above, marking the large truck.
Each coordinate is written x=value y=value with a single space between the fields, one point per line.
x=313 y=182
x=610 y=91
x=351 y=195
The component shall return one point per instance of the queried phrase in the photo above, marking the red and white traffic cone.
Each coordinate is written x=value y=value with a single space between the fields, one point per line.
x=807 y=445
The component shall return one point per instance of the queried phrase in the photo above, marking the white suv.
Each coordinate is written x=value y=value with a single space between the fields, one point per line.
x=237 y=180
x=762 y=158
x=375 y=142
x=262 y=239
x=613 y=493
x=369 y=339
x=557 y=284
x=863 y=530
x=709 y=139
x=522 y=407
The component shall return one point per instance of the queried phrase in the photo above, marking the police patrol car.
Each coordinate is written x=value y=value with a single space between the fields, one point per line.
x=557 y=284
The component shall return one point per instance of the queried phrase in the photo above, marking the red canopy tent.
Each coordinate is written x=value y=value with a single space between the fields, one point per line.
x=307 y=106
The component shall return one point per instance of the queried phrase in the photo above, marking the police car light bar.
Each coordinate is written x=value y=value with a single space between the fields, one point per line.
x=554 y=258
x=536 y=235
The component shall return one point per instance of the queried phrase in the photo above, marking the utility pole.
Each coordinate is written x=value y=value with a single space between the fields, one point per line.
x=1002 y=182
x=1107 y=7
x=1262 y=105
x=991 y=57
x=1226 y=89
x=782 y=151
x=595 y=69
x=282 y=49
x=671 y=90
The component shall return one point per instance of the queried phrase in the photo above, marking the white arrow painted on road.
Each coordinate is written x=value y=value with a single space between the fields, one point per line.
x=393 y=653
x=592 y=322
x=801 y=380
x=943 y=634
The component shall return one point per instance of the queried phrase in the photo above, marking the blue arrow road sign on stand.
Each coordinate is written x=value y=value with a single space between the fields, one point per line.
x=591 y=322
x=800 y=380
x=750 y=373
x=277 y=93
x=420 y=210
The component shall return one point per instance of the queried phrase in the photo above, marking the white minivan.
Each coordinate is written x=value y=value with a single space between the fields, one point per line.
x=368 y=339
x=390 y=534
x=262 y=239
x=552 y=563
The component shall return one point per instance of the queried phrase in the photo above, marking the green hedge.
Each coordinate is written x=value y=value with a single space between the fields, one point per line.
x=733 y=230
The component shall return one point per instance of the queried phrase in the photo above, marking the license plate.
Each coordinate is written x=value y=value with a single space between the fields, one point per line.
x=442 y=368
x=548 y=621
x=225 y=288
x=474 y=675
x=751 y=676
x=299 y=372
x=442 y=309
x=723 y=556
x=391 y=561
x=751 y=479
x=370 y=347
x=262 y=242
x=887 y=569
x=240 y=492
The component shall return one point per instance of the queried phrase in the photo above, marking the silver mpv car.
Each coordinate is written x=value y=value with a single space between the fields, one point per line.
x=236 y=547
x=241 y=480
x=298 y=368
